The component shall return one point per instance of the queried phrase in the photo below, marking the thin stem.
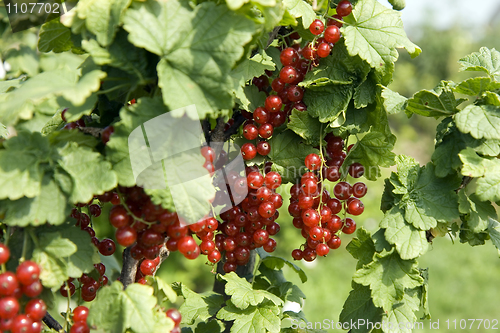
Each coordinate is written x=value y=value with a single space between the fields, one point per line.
x=68 y=306
x=136 y=218
x=102 y=92
x=25 y=242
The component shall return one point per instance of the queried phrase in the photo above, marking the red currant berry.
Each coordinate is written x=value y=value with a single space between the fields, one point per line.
x=289 y=57
x=263 y=148
x=310 y=217
x=270 y=245
x=174 y=315
x=21 y=324
x=214 y=256
x=79 y=327
x=359 y=190
x=147 y=267
x=277 y=85
x=349 y=226
x=355 y=207
x=250 y=132
x=288 y=74
x=107 y=247
x=272 y=180
x=273 y=103
x=316 y=27
x=261 y=115
x=64 y=290
x=342 y=191
x=295 y=93
x=322 y=249
x=80 y=313
x=248 y=151
x=309 y=254
x=106 y=134
x=297 y=254
x=266 y=130
x=312 y=161
x=9 y=307
x=35 y=309
x=323 y=50
x=126 y=236
x=260 y=236
x=356 y=170
x=344 y=8
x=4 y=253
x=332 y=34
x=95 y=210
x=8 y=284
x=118 y=217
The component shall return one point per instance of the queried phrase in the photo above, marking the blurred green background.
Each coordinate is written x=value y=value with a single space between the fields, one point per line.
x=463 y=280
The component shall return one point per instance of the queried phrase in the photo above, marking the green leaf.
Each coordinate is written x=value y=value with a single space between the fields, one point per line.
x=102 y=17
x=198 y=47
x=479 y=211
x=287 y=154
x=481 y=121
x=362 y=248
x=252 y=67
x=65 y=252
x=393 y=102
x=388 y=276
x=4 y=132
x=409 y=241
x=494 y=231
x=359 y=307
x=485 y=60
x=432 y=199
x=89 y=173
x=476 y=86
x=366 y=92
x=305 y=126
x=116 y=310
x=163 y=291
x=277 y=263
x=237 y=4
x=198 y=306
x=449 y=142
x=372 y=151
x=374 y=32
x=250 y=98
x=403 y=313
x=488 y=172
x=213 y=326
x=242 y=293
x=433 y=103
x=120 y=54
x=246 y=71
x=64 y=82
x=50 y=205
x=328 y=102
x=20 y=174
x=253 y=319
x=54 y=36
x=300 y=8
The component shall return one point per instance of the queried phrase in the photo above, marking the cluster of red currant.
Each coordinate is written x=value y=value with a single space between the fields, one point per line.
x=248 y=225
x=315 y=211
x=25 y=282
x=286 y=95
x=87 y=285
x=321 y=47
